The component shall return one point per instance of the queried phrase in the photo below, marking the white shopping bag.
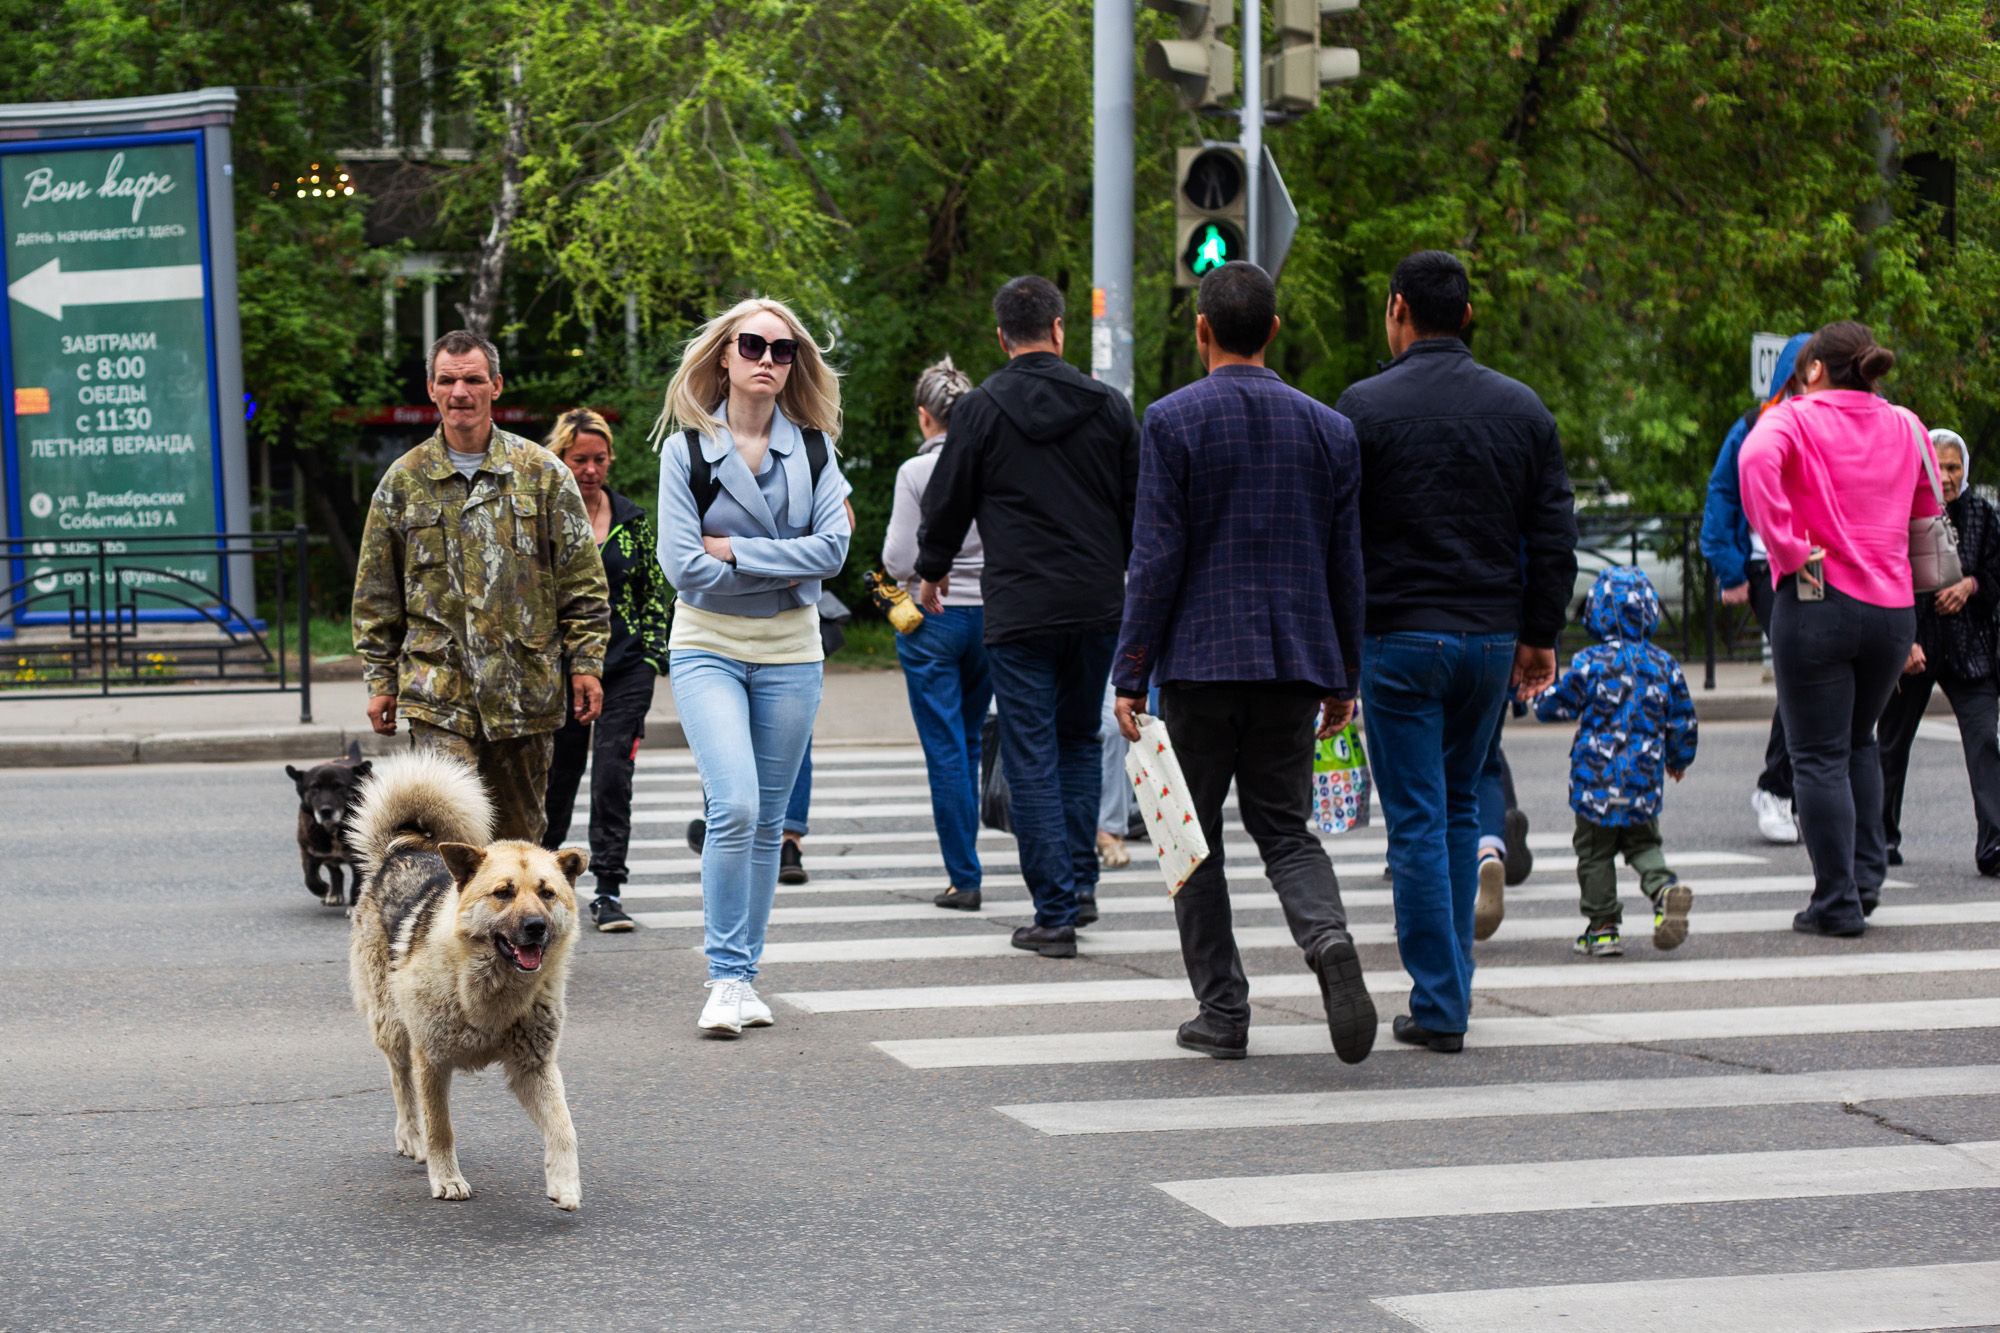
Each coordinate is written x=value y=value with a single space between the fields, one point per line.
x=1163 y=798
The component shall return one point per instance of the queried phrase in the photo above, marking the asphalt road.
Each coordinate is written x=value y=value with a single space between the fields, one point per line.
x=198 y=1129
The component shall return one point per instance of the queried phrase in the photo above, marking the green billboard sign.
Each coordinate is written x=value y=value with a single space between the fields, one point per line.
x=109 y=395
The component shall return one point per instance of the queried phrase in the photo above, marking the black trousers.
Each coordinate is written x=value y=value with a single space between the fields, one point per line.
x=1777 y=775
x=610 y=745
x=1263 y=739
x=1976 y=704
x=1837 y=665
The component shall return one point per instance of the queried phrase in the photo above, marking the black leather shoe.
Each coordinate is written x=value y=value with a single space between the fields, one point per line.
x=1868 y=905
x=791 y=863
x=1086 y=911
x=1350 y=1014
x=1895 y=855
x=1197 y=1035
x=961 y=900
x=1989 y=866
x=1809 y=925
x=1412 y=1033
x=1048 y=941
x=697 y=834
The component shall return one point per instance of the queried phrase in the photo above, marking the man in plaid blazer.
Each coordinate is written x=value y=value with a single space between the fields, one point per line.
x=1244 y=605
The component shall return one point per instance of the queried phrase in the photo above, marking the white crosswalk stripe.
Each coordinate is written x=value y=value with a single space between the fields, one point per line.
x=1865 y=1300
x=909 y=947
x=1078 y=1048
x=1848 y=1087
x=1559 y=976
x=1632 y=1182
x=865 y=912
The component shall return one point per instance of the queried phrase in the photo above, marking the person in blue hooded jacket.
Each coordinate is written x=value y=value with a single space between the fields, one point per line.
x=1743 y=573
x=1635 y=726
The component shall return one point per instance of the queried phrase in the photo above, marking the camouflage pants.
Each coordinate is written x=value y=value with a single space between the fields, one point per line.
x=515 y=771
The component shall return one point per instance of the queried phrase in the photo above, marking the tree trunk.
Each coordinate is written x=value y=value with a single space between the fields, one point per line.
x=477 y=309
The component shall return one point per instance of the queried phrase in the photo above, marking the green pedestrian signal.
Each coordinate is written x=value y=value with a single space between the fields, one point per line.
x=1212 y=245
x=1209 y=214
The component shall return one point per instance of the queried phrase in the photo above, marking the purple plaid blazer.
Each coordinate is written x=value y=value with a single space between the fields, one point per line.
x=1246 y=548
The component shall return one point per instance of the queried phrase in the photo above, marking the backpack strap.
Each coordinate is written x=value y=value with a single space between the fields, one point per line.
x=701 y=477
x=816 y=456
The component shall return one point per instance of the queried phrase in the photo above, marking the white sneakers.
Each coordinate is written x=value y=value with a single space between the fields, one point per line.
x=1776 y=819
x=1491 y=908
x=732 y=1006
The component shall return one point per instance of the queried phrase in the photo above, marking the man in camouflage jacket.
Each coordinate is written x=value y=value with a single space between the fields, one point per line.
x=478 y=593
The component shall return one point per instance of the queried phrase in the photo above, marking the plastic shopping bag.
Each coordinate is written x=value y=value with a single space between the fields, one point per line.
x=1163 y=798
x=1340 y=782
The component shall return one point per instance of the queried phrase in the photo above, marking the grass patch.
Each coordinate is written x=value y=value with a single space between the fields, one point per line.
x=871 y=644
x=331 y=638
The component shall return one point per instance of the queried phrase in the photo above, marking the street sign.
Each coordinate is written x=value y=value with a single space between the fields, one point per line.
x=112 y=384
x=1280 y=221
x=1764 y=351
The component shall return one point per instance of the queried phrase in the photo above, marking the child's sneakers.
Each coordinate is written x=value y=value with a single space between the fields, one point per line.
x=1670 y=915
x=1600 y=941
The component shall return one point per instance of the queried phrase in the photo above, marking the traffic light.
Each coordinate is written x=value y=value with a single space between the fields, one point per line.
x=1300 y=66
x=1210 y=210
x=1201 y=68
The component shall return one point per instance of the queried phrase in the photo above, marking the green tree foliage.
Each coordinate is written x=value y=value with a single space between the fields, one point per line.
x=1639 y=186
x=1636 y=186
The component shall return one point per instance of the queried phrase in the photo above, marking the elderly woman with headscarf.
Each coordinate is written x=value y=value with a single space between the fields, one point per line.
x=1954 y=649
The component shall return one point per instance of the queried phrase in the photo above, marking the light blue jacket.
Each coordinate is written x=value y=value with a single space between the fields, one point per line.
x=786 y=534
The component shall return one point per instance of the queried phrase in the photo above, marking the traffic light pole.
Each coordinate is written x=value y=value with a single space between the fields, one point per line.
x=1252 y=28
x=1112 y=128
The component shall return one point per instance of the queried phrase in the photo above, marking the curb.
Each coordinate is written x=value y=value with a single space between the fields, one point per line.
x=298 y=744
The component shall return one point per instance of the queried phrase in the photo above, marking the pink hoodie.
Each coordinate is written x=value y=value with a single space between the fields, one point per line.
x=1839 y=469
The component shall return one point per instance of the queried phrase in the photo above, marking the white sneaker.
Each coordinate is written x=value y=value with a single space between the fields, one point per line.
x=724 y=1010
x=1774 y=817
x=756 y=1014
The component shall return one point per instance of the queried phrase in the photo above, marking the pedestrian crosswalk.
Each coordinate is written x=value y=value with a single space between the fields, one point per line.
x=945 y=1000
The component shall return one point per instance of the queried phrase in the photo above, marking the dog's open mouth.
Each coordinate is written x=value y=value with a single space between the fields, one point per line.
x=527 y=957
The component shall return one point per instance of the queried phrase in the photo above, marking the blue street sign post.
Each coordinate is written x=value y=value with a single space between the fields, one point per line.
x=120 y=354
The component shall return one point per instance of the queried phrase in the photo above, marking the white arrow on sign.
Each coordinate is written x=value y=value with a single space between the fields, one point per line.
x=48 y=289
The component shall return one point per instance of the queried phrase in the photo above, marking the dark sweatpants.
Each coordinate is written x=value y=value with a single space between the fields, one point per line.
x=1976 y=704
x=610 y=745
x=1837 y=662
x=1263 y=738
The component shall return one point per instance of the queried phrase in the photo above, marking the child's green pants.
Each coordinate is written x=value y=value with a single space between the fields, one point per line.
x=1597 y=851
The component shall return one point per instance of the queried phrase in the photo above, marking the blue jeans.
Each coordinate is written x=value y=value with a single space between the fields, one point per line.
x=749 y=725
x=1429 y=705
x=1051 y=692
x=799 y=808
x=945 y=671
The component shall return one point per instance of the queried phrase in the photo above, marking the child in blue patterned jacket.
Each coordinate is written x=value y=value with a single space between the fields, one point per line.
x=1636 y=725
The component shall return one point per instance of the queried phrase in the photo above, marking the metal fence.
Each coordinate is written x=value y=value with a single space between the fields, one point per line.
x=94 y=616
x=1668 y=548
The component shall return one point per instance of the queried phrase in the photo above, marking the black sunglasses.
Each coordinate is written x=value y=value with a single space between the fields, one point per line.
x=751 y=347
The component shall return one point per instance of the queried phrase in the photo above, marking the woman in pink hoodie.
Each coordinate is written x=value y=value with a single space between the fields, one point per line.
x=1837 y=469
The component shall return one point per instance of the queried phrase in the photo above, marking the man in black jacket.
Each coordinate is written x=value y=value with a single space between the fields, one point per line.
x=1046 y=461
x=1468 y=537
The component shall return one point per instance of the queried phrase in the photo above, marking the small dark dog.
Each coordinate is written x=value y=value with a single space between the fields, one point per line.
x=326 y=794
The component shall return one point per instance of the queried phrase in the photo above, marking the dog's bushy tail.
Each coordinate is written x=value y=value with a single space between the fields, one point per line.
x=418 y=799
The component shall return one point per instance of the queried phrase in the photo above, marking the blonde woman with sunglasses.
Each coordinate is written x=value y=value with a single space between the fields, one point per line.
x=751 y=518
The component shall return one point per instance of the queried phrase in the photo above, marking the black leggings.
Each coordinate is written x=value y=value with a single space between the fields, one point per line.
x=1837 y=663
x=611 y=746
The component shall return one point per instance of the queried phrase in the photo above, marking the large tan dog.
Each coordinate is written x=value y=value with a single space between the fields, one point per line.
x=458 y=958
